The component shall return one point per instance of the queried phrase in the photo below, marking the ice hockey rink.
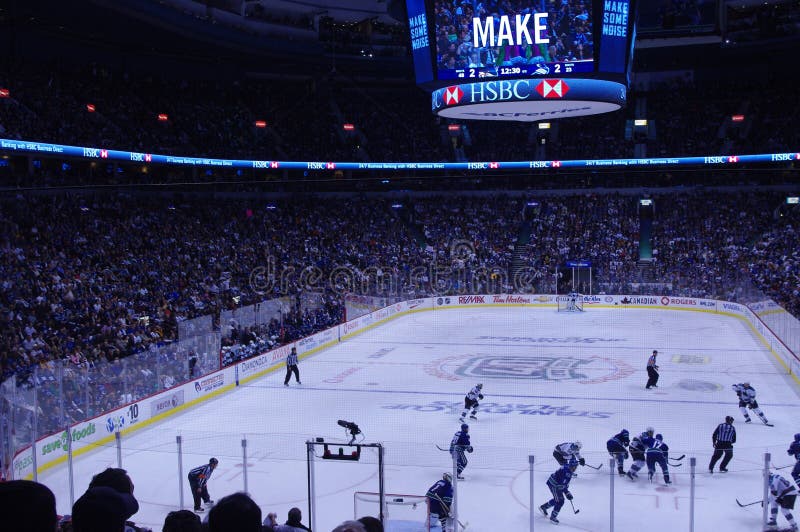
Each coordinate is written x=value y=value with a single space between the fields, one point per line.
x=547 y=377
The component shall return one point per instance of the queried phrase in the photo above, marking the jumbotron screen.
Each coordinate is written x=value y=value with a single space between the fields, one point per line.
x=482 y=39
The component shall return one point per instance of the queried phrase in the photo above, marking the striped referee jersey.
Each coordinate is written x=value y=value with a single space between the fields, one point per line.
x=724 y=433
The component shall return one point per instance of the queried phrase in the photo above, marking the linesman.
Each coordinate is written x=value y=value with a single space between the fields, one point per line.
x=724 y=437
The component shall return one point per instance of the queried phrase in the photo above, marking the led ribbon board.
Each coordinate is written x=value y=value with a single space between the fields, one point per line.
x=528 y=100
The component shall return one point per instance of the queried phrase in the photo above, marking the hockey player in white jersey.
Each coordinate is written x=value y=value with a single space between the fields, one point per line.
x=471 y=403
x=782 y=494
x=563 y=452
x=747 y=399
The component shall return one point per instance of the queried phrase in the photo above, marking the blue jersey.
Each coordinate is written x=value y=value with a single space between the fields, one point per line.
x=460 y=441
x=440 y=492
x=794 y=449
x=618 y=443
x=658 y=449
x=560 y=479
x=647 y=439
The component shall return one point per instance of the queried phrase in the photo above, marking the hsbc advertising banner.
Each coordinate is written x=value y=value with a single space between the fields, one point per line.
x=528 y=100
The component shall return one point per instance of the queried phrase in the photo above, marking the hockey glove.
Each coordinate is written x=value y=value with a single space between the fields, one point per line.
x=480 y=396
x=568 y=495
x=582 y=461
x=627 y=455
x=469 y=449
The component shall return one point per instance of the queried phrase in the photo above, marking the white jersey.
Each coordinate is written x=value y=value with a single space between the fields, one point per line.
x=748 y=395
x=568 y=450
x=474 y=394
x=780 y=487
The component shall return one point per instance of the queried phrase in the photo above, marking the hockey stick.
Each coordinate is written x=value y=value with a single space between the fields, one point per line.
x=748 y=504
x=681 y=457
x=676 y=464
x=573 y=507
x=593 y=467
x=445 y=450
x=447 y=508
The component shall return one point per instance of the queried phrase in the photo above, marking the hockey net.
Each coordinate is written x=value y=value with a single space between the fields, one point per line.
x=401 y=513
x=570 y=303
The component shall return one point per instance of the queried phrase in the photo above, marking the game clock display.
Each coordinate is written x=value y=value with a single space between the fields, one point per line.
x=506 y=39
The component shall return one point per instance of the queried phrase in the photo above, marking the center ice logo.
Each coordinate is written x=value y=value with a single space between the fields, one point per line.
x=557 y=368
x=549 y=368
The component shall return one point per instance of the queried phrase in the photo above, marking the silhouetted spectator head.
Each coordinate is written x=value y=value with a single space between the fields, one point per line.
x=27 y=505
x=371 y=524
x=113 y=477
x=350 y=526
x=182 y=521
x=295 y=515
x=235 y=512
x=103 y=509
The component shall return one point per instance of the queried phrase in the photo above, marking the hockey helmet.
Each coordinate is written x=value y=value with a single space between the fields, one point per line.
x=659 y=437
x=464 y=427
x=746 y=384
x=625 y=432
x=447 y=477
x=213 y=461
x=577 y=446
x=797 y=437
x=650 y=430
x=480 y=386
x=728 y=419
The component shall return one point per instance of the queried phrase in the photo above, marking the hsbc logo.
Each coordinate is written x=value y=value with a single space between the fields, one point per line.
x=556 y=164
x=259 y=164
x=273 y=164
x=552 y=88
x=453 y=95
x=104 y=154
x=733 y=159
x=494 y=165
x=330 y=166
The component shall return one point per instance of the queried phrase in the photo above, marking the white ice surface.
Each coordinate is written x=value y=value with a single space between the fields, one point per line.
x=548 y=378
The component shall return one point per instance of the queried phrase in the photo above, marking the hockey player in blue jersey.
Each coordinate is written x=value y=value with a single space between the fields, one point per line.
x=458 y=445
x=559 y=487
x=658 y=453
x=471 y=402
x=440 y=499
x=638 y=447
x=794 y=450
x=617 y=448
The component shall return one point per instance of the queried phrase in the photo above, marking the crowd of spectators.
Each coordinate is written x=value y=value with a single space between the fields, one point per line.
x=93 y=280
x=109 y=505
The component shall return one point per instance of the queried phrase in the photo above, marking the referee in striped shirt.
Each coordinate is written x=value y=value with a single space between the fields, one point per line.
x=724 y=437
x=291 y=367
